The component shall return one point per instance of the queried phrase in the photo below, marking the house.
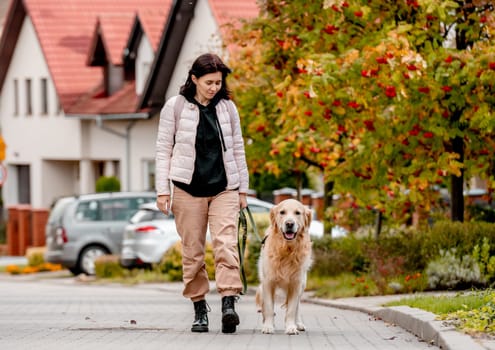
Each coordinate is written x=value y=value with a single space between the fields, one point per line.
x=82 y=82
x=183 y=42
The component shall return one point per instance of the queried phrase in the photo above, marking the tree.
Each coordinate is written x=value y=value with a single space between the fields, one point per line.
x=388 y=98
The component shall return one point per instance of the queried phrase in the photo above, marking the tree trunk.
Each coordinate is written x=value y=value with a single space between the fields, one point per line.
x=327 y=203
x=378 y=224
x=457 y=184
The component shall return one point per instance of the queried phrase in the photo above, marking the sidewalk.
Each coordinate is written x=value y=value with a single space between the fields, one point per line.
x=12 y=260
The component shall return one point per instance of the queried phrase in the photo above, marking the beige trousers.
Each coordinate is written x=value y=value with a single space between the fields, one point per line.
x=192 y=217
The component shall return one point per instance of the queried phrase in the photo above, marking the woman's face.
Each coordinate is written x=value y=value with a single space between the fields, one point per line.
x=207 y=86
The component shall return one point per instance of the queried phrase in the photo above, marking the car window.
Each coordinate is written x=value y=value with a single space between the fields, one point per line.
x=119 y=209
x=58 y=209
x=88 y=211
x=112 y=209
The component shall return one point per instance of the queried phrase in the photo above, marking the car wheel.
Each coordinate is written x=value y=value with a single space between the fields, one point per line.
x=88 y=257
x=75 y=270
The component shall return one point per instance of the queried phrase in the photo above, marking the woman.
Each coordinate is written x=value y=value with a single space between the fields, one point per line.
x=200 y=150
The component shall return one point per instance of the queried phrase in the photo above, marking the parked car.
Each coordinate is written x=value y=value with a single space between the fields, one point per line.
x=151 y=233
x=148 y=236
x=81 y=228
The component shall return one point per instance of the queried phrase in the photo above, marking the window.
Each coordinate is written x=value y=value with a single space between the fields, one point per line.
x=146 y=70
x=59 y=106
x=29 y=105
x=16 y=97
x=115 y=209
x=23 y=184
x=149 y=175
x=44 y=96
x=88 y=211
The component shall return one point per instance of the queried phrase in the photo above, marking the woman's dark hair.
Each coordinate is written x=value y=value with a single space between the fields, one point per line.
x=205 y=64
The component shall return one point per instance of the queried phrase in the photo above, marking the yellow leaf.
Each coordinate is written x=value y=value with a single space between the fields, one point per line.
x=454 y=169
x=340 y=110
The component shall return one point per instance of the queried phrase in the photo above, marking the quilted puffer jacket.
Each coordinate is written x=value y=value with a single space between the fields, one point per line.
x=175 y=151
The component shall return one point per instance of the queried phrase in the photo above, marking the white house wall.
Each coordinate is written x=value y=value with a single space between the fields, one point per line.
x=31 y=138
x=27 y=137
x=142 y=152
x=202 y=36
x=143 y=63
x=62 y=151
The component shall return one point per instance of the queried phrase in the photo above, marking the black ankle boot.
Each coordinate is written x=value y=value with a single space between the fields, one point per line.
x=230 y=319
x=200 y=323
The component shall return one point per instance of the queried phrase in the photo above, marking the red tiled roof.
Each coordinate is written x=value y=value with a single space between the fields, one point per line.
x=153 y=22
x=230 y=11
x=122 y=102
x=65 y=29
x=114 y=31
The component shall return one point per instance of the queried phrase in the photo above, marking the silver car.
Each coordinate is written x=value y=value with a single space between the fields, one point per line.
x=148 y=236
x=81 y=228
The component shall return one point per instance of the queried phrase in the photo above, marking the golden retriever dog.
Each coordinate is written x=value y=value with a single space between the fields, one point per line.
x=284 y=261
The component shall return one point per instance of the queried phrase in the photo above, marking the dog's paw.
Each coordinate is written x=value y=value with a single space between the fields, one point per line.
x=292 y=330
x=300 y=327
x=267 y=329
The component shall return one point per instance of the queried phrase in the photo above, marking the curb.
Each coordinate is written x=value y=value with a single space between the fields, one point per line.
x=421 y=323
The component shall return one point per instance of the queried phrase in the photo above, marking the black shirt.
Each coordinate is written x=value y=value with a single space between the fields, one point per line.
x=209 y=177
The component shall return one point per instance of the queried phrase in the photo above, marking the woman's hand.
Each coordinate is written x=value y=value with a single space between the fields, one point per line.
x=163 y=203
x=243 y=200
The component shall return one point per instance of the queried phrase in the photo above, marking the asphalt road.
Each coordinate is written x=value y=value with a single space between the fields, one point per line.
x=62 y=313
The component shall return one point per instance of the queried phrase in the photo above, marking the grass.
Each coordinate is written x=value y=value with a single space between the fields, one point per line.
x=445 y=303
x=137 y=276
x=472 y=312
x=342 y=286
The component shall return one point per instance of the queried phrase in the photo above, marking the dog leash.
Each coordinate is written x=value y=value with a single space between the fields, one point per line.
x=242 y=229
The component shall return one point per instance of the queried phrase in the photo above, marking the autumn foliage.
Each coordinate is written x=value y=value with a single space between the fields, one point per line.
x=371 y=92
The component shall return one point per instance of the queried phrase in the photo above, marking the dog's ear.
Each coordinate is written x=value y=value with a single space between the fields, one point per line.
x=273 y=215
x=308 y=217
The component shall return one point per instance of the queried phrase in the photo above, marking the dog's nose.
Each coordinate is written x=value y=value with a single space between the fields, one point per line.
x=289 y=224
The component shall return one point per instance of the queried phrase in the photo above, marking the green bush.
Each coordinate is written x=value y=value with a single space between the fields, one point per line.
x=412 y=249
x=480 y=212
x=332 y=257
x=108 y=266
x=405 y=243
x=108 y=184
x=486 y=262
x=461 y=236
x=35 y=256
x=450 y=271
